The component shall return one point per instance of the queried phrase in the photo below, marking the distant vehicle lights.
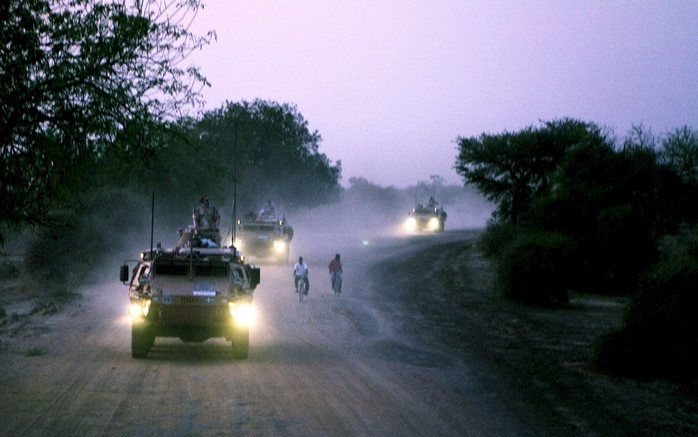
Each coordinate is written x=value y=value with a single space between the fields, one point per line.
x=411 y=224
x=433 y=224
x=279 y=246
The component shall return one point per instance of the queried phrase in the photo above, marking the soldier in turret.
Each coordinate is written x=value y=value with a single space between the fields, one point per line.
x=267 y=213
x=206 y=216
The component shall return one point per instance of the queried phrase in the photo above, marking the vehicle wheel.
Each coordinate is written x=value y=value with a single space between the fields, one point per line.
x=142 y=339
x=241 y=343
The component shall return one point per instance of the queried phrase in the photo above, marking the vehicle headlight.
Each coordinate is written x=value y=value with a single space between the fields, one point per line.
x=237 y=243
x=242 y=312
x=433 y=223
x=279 y=246
x=411 y=224
x=139 y=309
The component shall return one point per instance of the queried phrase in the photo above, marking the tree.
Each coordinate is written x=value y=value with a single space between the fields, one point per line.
x=81 y=78
x=511 y=169
x=277 y=156
x=680 y=152
x=614 y=203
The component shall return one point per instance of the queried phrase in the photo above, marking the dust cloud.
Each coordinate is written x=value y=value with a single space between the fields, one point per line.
x=364 y=216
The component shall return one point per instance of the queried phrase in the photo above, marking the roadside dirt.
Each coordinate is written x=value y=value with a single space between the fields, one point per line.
x=445 y=297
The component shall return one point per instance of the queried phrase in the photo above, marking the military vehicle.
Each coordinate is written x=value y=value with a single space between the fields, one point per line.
x=426 y=219
x=194 y=291
x=264 y=236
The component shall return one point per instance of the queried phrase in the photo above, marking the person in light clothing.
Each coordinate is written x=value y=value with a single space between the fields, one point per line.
x=300 y=273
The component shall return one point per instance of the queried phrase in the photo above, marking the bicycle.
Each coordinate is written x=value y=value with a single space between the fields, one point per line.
x=337 y=283
x=301 y=287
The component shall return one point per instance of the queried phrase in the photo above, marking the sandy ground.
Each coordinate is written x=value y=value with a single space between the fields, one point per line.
x=328 y=366
x=375 y=361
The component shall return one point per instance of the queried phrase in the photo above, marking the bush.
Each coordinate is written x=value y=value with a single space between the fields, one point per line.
x=65 y=256
x=535 y=268
x=35 y=351
x=8 y=270
x=660 y=334
x=496 y=237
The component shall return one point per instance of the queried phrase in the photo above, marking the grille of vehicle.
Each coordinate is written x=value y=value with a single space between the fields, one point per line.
x=188 y=299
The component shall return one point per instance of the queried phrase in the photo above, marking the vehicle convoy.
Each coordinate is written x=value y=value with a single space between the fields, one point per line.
x=194 y=291
x=264 y=235
x=428 y=218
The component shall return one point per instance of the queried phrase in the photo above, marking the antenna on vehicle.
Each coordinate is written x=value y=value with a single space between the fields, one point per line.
x=235 y=182
x=152 y=221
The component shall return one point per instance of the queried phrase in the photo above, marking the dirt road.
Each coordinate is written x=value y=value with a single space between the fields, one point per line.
x=327 y=366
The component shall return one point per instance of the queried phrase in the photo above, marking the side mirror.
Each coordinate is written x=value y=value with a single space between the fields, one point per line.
x=254 y=276
x=123 y=274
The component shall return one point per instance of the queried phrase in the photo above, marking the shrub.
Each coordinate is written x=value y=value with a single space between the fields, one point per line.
x=35 y=352
x=535 y=268
x=8 y=270
x=496 y=237
x=660 y=334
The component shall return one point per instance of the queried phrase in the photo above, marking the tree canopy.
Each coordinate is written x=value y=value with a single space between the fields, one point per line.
x=82 y=77
x=612 y=201
x=512 y=168
x=278 y=159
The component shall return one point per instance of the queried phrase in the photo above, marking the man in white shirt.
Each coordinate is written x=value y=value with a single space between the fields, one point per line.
x=300 y=273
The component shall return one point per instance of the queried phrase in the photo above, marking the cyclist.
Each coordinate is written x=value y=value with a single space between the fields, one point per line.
x=336 y=273
x=300 y=273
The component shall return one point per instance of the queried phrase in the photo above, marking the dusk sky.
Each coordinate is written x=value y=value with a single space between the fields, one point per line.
x=390 y=85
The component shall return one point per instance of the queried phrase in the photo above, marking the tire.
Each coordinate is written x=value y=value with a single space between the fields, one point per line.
x=241 y=343
x=142 y=340
x=302 y=290
x=337 y=285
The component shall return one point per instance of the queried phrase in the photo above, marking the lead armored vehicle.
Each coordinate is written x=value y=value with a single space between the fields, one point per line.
x=194 y=291
x=428 y=218
x=264 y=235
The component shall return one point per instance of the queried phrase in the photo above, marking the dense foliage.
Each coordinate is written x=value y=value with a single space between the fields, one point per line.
x=266 y=146
x=80 y=78
x=660 y=334
x=514 y=168
x=579 y=211
x=611 y=201
x=535 y=267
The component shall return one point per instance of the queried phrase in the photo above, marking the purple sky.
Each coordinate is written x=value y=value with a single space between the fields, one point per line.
x=391 y=84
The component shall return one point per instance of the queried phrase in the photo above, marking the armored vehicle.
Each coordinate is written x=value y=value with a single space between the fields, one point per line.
x=426 y=219
x=194 y=291
x=263 y=236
